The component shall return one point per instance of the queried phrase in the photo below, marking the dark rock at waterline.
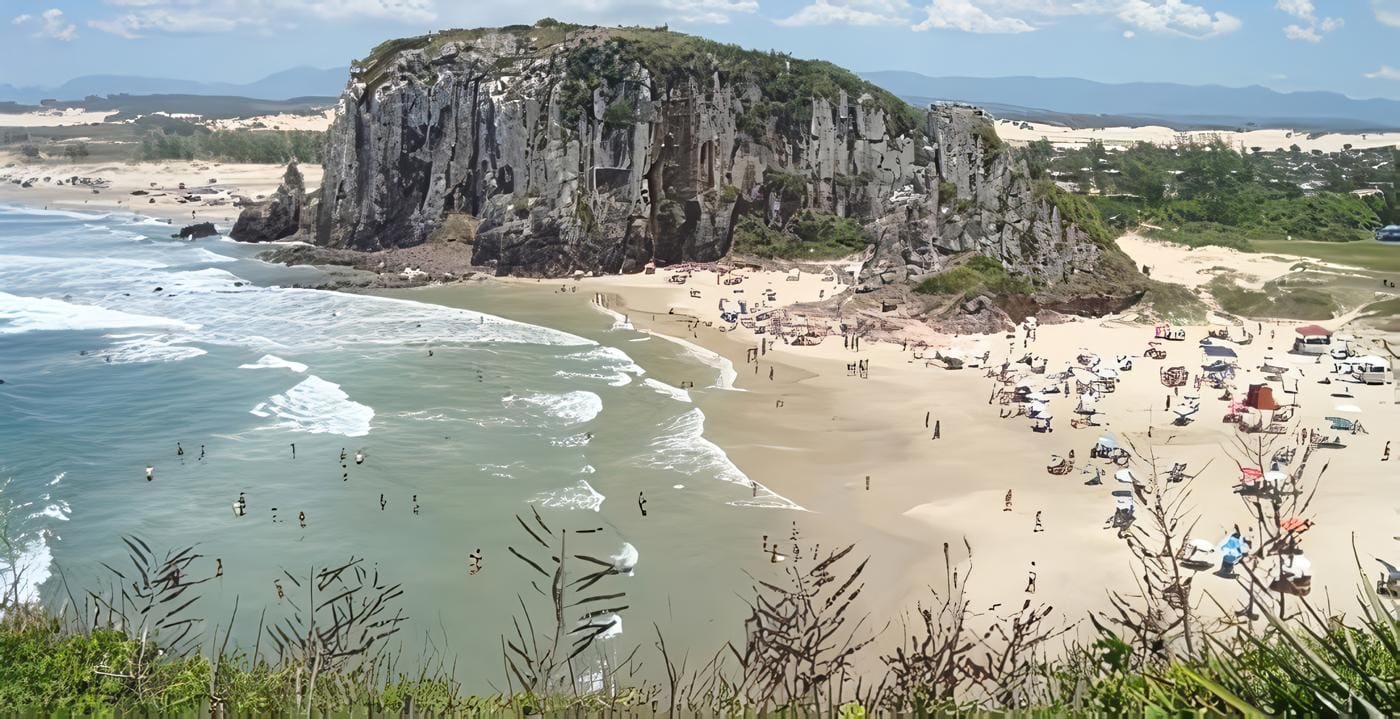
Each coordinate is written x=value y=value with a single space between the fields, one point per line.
x=197 y=231
x=278 y=217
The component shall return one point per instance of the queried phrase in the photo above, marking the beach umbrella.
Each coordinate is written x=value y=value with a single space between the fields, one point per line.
x=1349 y=408
x=1275 y=477
x=1125 y=476
x=1108 y=441
x=1233 y=548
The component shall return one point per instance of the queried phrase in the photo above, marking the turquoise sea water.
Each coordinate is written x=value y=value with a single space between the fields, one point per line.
x=116 y=344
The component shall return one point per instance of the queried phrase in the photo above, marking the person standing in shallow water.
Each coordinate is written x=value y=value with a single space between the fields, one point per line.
x=294 y=450
x=150 y=473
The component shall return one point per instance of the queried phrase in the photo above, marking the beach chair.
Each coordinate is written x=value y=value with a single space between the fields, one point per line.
x=1341 y=423
x=1064 y=466
x=1175 y=377
x=1389 y=583
x=1155 y=351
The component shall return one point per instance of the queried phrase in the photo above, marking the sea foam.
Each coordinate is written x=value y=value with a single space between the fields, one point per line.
x=318 y=407
x=683 y=448
x=274 y=362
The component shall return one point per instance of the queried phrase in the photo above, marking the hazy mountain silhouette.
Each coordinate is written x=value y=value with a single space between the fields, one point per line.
x=1185 y=104
x=297 y=82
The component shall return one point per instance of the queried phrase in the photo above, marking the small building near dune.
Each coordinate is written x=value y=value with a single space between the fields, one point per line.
x=1312 y=340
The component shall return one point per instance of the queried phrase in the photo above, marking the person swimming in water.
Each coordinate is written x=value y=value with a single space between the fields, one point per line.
x=150 y=473
x=342 y=456
x=301 y=519
x=382 y=503
x=201 y=453
x=359 y=456
x=179 y=451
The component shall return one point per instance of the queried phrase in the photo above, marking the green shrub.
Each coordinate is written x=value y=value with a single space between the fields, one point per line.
x=978 y=275
x=812 y=235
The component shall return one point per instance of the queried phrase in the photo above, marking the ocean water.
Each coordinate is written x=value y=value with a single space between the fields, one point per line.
x=118 y=344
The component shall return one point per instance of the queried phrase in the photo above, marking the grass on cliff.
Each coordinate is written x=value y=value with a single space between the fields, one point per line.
x=978 y=275
x=675 y=61
x=810 y=235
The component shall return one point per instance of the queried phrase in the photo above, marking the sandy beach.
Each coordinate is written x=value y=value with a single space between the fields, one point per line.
x=209 y=191
x=1269 y=139
x=811 y=428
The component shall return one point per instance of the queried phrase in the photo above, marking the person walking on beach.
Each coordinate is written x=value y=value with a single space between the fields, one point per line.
x=1007 y=508
x=1385 y=455
x=1038 y=526
x=1030 y=580
x=150 y=473
x=937 y=429
x=294 y=450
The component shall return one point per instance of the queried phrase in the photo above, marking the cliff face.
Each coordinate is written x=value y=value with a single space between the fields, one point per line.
x=553 y=149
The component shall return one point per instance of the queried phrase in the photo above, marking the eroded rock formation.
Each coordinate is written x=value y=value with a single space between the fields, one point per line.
x=553 y=149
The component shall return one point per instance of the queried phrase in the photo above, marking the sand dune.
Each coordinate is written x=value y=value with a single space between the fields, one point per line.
x=1015 y=134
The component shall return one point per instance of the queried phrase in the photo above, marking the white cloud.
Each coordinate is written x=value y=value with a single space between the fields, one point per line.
x=850 y=12
x=1387 y=11
x=52 y=25
x=966 y=16
x=1129 y=34
x=1298 y=32
x=1386 y=72
x=143 y=17
x=1176 y=17
x=1301 y=9
x=713 y=12
x=1311 y=29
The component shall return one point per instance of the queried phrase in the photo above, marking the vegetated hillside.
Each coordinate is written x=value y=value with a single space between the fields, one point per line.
x=1211 y=193
x=570 y=148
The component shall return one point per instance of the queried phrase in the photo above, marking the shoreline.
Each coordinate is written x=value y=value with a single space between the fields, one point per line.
x=812 y=432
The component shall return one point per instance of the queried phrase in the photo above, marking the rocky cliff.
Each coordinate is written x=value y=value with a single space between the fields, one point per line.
x=553 y=148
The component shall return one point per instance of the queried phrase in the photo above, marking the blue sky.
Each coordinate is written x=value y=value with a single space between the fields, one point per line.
x=1347 y=46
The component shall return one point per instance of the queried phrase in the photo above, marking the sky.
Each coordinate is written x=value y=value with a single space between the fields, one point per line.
x=1347 y=46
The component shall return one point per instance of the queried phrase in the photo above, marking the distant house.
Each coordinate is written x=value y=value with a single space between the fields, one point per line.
x=1367 y=192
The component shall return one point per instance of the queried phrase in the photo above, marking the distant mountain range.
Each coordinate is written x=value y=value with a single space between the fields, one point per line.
x=1082 y=103
x=297 y=82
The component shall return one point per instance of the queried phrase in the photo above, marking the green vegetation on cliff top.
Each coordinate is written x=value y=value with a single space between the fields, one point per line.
x=611 y=55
